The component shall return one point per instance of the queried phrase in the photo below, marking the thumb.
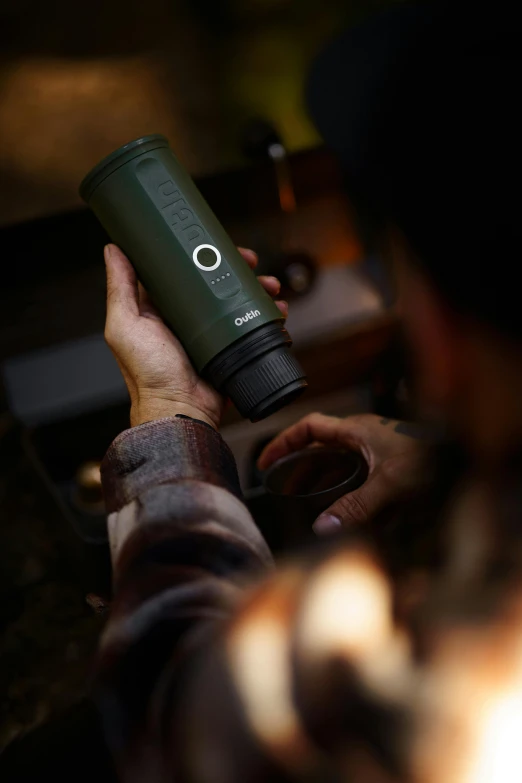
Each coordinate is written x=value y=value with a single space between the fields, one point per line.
x=122 y=285
x=355 y=508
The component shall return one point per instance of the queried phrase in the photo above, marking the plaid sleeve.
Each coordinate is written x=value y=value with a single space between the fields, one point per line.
x=183 y=547
x=165 y=451
x=362 y=660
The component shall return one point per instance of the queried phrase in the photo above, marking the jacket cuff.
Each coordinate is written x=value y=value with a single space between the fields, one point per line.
x=163 y=452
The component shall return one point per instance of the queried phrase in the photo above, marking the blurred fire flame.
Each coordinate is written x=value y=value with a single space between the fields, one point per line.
x=463 y=699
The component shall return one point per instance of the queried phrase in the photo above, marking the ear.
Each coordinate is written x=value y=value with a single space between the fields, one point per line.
x=434 y=336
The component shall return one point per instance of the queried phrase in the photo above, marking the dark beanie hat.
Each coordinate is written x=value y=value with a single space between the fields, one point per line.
x=422 y=106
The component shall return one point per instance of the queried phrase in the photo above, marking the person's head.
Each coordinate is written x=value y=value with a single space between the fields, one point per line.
x=433 y=131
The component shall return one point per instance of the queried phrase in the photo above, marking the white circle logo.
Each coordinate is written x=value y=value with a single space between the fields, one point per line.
x=206 y=247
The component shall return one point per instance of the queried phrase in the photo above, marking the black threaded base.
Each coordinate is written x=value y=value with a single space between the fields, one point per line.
x=258 y=372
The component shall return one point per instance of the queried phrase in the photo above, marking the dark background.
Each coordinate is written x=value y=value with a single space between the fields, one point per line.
x=78 y=79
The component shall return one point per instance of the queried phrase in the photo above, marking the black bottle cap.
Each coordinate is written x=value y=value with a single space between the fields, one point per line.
x=266 y=384
x=259 y=373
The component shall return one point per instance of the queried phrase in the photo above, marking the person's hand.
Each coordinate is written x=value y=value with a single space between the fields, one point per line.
x=392 y=450
x=159 y=375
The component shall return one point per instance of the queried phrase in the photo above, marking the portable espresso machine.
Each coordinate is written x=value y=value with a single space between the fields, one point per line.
x=227 y=323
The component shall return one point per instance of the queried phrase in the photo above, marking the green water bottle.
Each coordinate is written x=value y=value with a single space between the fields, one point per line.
x=228 y=324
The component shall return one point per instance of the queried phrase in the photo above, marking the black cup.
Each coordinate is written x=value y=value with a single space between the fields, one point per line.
x=304 y=484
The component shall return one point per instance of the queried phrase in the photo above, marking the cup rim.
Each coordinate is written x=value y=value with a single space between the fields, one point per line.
x=358 y=459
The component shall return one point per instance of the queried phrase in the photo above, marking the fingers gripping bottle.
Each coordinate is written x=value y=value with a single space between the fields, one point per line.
x=227 y=323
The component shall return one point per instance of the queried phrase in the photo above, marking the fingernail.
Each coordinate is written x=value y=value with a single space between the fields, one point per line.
x=275 y=283
x=285 y=307
x=107 y=252
x=326 y=525
x=247 y=252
